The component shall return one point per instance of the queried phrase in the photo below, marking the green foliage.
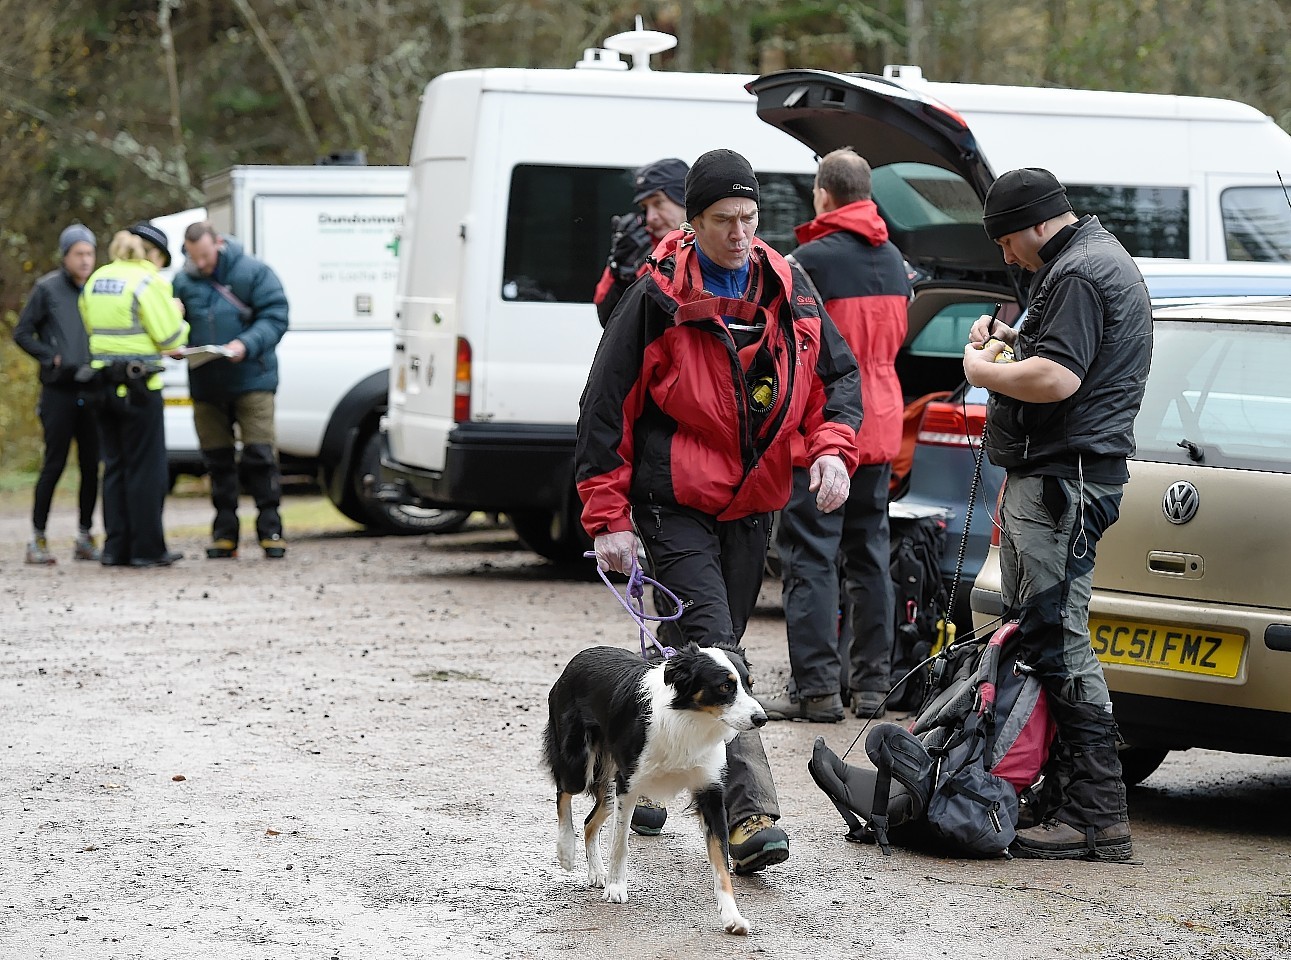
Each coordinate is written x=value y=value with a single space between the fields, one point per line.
x=88 y=130
x=20 y=440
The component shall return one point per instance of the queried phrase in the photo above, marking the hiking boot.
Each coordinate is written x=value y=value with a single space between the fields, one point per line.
x=165 y=560
x=85 y=548
x=222 y=550
x=275 y=548
x=1055 y=840
x=648 y=817
x=827 y=708
x=38 y=553
x=757 y=843
x=868 y=704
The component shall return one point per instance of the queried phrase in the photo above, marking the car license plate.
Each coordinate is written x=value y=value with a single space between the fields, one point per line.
x=178 y=402
x=1214 y=653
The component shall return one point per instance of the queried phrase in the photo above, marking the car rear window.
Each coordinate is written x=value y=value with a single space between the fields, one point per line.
x=1221 y=388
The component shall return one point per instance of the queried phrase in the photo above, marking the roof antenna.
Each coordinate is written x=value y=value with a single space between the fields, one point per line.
x=1284 y=187
x=641 y=44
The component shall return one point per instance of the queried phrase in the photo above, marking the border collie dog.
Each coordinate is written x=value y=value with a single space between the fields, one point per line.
x=621 y=728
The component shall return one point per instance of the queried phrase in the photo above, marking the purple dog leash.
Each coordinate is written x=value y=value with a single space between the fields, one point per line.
x=633 y=601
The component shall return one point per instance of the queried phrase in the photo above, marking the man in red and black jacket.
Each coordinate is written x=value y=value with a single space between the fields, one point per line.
x=712 y=364
x=660 y=192
x=862 y=279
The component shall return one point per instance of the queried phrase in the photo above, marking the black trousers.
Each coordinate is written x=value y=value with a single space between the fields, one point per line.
x=65 y=417
x=822 y=658
x=135 y=480
x=715 y=568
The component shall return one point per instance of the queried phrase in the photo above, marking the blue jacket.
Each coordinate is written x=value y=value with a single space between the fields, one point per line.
x=214 y=318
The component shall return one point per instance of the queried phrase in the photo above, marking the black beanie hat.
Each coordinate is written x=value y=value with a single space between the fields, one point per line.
x=715 y=176
x=1022 y=198
x=663 y=176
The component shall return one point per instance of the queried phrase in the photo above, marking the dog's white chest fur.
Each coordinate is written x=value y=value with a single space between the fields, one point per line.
x=684 y=750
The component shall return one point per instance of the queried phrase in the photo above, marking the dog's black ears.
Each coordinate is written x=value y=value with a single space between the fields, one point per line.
x=681 y=664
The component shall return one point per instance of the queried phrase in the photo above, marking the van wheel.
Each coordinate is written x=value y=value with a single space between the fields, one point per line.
x=397 y=519
x=1139 y=763
x=543 y=532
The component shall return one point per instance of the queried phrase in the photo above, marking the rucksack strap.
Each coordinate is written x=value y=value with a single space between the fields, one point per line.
x=879 y=813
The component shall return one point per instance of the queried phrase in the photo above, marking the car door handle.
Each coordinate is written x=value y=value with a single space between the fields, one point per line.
x=1186 y=566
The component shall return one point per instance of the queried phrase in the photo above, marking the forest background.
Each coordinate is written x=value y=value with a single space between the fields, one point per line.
x=112 y=111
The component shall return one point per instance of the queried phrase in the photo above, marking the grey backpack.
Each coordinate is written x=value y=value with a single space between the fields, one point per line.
x=981 y=737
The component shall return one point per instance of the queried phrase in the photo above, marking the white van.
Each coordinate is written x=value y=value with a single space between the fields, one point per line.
x=331 y=234
x=516 y=174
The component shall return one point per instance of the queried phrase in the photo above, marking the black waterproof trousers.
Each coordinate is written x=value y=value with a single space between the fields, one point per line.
x=716 y=569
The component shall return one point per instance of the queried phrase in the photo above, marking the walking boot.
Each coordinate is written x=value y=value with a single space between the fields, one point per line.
x=85 y=548
x=1092 y=819
x=756 y=843
x=38 y=553
x=827 y=708
x=648 y=817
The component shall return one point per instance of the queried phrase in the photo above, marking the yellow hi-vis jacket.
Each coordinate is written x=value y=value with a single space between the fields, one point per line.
x=129 y=312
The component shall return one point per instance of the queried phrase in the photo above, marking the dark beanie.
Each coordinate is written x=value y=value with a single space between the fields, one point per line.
x=715 y=176
x=663 y=176
x=1023 y=198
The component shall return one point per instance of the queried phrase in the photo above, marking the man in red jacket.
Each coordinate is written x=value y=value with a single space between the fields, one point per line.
x=863 y=282
x=711 y=365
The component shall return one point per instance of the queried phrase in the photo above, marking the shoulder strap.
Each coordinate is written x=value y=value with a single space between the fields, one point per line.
x=243 y=310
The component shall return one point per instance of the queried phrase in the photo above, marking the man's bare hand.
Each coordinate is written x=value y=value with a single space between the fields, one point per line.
x=616 y=551
x=828 y=478
x=237 y=351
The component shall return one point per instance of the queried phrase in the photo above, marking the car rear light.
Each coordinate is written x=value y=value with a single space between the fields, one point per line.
x=952 y=424
x=462 y=382
x=997 y=524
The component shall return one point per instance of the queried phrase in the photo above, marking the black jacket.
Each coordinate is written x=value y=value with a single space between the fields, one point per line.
x=50 y=326
x=1097 y=421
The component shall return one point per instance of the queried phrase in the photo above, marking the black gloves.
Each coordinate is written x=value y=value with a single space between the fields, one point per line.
x=630 y=244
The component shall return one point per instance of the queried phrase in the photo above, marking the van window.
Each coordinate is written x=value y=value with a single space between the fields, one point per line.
x=1257 y=223
x=947 y=332
x=1149 y=221
x=558 y=225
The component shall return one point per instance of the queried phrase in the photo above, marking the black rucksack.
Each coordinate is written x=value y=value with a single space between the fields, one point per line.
x=981 y=737
x=917 y=545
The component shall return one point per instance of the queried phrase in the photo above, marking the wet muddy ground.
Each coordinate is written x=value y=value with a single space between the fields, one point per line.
x=336 y=756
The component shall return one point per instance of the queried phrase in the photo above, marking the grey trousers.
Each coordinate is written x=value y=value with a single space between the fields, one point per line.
x=716 y=570
x=824 y=659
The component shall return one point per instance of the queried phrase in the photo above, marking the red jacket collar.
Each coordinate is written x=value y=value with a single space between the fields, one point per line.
x=861 y=218
x=687 y=283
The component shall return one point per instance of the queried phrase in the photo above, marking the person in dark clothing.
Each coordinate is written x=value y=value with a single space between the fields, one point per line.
x=1060 y=421
x=661 y=194
x=234 y=301
x=711 y=364
x=862 y=279
x=50 y=329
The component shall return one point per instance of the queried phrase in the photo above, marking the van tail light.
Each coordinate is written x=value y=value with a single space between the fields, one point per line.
x=999 y=506
x=952 y=424
x=462 y=382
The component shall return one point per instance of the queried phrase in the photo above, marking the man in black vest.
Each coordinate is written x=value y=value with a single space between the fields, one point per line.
x=1060 y=421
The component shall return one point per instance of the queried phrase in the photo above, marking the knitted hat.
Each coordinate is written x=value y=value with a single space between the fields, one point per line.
x=145 y=230
x=663 y=176
x=715 y=176
x=1022 y=198
x=76 y=233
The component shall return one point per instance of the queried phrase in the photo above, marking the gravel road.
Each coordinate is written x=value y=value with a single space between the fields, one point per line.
x=335 y=756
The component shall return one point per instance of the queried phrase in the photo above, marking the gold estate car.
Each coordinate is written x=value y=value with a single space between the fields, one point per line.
x=1191 y=608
